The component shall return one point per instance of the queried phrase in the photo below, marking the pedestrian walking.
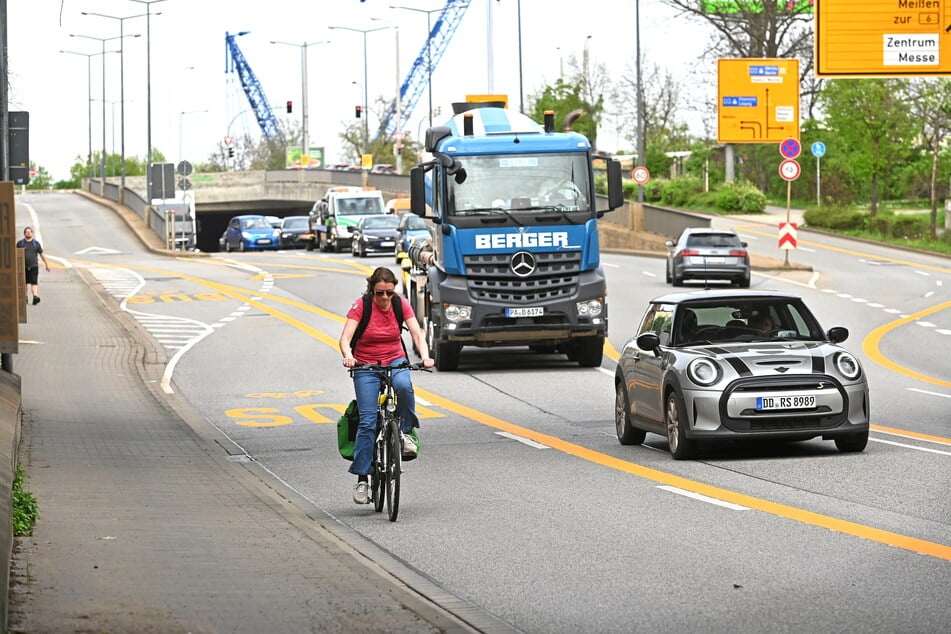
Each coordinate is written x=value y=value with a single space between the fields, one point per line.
x=33 y=252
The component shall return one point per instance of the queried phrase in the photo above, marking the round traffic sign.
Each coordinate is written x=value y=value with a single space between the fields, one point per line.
x=789 y=170
x=790 y=148
x=640 y=174
x=818 y=149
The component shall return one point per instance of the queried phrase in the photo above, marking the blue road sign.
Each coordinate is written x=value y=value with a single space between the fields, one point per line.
x=790 y=148
x=818 y=149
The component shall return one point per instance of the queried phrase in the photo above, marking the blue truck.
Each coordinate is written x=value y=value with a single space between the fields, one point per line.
x=515 y=257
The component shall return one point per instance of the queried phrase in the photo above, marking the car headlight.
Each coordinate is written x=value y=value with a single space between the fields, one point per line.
x=246 y=235
x=703 y=371
x=590 y=308
x=343 y=232
x=457 y=312
x=848 y=366
x=277 y=233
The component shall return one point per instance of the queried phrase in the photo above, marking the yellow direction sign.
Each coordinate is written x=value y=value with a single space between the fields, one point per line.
x=883 y=38
x=758 y=100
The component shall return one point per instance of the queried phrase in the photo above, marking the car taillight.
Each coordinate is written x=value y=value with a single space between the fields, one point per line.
x=738 y=253
x=687 y=252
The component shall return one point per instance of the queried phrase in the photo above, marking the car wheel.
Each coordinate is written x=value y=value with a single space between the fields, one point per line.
x=241 y=247
x=667 y=272
x=227 y=247
x=677 y=281
x=852 y=443
x=353 y=249
x=744 y=282
x=337 y=247
x=626 y=433
x=675 y=416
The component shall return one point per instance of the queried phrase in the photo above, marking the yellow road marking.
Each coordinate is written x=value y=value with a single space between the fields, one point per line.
x=871 y=346
x=889 y=538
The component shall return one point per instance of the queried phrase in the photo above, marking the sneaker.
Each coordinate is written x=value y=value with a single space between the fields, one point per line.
x=409 y=446
x=36 y=300
x=361 y=494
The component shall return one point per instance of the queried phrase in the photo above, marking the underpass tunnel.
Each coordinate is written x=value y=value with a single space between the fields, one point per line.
x=212 y=220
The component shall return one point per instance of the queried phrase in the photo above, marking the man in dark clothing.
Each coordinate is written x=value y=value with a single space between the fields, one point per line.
x=33 y=252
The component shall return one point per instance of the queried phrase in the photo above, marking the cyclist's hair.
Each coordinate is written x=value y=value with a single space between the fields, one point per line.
x=380 y=274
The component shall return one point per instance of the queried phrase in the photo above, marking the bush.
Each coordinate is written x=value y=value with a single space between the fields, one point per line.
x=25 y=511
x=909 y=227
x=677 y=192
x=835 y=218
x=741 y=197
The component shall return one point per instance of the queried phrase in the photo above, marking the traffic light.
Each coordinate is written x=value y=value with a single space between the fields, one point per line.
x=230 y=152
x=290 y=106
x=359 y=111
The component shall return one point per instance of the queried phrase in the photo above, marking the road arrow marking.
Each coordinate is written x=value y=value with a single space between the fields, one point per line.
x=97 y=251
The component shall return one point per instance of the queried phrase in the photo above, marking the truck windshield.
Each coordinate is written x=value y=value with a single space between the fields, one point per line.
x=524 y=183
x=359 y=206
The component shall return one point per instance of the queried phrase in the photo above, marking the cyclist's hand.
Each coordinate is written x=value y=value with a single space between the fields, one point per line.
x=428 y=363
x=349 y=362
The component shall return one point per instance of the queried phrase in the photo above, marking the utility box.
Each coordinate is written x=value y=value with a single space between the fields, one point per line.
x=19 y=144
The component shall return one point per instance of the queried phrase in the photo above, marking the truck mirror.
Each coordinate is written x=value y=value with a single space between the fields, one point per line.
x=417 y=191
x=615 y=187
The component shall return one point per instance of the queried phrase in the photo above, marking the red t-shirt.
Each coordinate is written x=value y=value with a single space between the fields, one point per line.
x=380 y=342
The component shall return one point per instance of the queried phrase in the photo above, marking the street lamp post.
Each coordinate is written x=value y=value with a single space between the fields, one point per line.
x=102 y=40
x=398 y=140
x=366 y=91
x=429 y=52
x=148 y=94
x=89 y=101
x=121 y=90
x=305 y=139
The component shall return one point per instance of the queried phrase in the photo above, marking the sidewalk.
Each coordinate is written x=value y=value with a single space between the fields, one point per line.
x=148 y=525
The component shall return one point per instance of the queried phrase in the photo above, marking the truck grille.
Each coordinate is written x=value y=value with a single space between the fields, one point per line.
x=555 y=277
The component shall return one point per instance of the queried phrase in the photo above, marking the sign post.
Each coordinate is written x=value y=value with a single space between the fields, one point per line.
x=789 y=170
x=818 y=151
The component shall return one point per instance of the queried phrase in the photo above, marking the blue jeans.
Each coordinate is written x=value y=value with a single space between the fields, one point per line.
x=367 y=385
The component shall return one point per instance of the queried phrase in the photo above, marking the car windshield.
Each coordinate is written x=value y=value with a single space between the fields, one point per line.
x=259 y=222
x=537 y=183
x=359 y=206
x=297 y=222
x=415 y=223
x=383 y=222
x=714 y=240
x=733 y=320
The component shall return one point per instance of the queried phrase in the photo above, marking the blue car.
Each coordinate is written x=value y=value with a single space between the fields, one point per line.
x=247 y=233
x=411 y=228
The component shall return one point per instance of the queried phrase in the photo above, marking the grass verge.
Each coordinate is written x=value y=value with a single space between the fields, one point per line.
x=25 y=509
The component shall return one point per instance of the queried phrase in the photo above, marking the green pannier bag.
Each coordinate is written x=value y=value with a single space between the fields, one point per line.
x=347 y=432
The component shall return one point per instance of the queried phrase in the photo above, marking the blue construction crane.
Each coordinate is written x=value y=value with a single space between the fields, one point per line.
x=419 y=75
x=235 y=61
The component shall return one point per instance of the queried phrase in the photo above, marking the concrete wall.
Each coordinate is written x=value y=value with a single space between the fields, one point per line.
x=10 y=416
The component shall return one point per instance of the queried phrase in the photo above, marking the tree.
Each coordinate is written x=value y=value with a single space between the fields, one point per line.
x=42 y=178
x=930 y=101
x=874 y=122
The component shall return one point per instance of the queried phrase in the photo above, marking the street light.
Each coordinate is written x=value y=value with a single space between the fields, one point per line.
x=89 y=101
x=305 y=140
x=429 y=52
x=366 y=96
x=121 y=90
x=148 y=94
x=102 y=40
x=398 y=141
x=181 y=115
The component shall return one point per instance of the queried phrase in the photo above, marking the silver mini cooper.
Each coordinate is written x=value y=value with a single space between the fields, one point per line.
x=726 y=364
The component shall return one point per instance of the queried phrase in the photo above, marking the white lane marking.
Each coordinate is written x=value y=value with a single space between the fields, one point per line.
x=859 y=300
x=813 y=279
x=923 y=273
x=875 y=305
x=524 y=441
x=614 y=266
x=943 y=331
x=806 y=249
x=703 y=498
x=929 y=293
x=843 y=295
x=925 y=324
x=648 y=274
x=900 y=444
x=606 y=371
x=892 y=311
x=914 y=389
x=829 y=290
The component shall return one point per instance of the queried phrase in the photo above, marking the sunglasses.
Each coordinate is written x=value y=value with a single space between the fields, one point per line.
x=382 y=293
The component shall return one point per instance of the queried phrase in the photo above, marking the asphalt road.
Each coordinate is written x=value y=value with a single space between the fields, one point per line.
x=523 y=502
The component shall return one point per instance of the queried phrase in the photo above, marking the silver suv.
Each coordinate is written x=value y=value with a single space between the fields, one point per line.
x=708 y=254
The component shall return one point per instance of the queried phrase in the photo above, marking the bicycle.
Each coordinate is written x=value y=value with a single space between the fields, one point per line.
x=387 y=448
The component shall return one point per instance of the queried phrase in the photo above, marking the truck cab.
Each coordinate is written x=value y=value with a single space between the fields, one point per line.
x=333 y=217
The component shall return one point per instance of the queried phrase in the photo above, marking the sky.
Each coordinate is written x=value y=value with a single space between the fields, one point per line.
x=195 y=104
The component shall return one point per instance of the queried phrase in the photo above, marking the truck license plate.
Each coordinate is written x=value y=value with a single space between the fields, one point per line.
x=795 y=401
x=529 y=311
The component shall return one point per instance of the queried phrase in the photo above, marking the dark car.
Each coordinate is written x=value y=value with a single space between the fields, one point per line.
x=250 y=232
x=292 y=228
x=708 y=254
x=374 y=234
x=410 y=228
x=720 y=364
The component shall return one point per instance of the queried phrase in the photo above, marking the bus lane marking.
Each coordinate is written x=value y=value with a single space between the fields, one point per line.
x=905 y=542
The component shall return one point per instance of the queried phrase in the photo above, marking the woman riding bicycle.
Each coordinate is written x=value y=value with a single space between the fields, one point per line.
x=382 y=344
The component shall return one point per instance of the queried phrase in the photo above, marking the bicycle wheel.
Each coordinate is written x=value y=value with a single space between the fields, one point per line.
x=378 y=473
x=393 y=455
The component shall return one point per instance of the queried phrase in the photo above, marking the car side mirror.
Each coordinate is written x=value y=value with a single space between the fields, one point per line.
x=838 y=334
x=669 y=243
x=648 y=341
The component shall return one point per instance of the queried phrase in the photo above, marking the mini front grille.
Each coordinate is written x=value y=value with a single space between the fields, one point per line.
x=490 y=278
x=753 y=421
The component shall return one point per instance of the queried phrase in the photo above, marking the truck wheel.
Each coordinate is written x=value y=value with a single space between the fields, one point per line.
x=309 y=245
x=590 y=351
x=445 y=354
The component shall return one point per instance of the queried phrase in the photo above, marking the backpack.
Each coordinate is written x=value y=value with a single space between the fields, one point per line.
x=365 y=319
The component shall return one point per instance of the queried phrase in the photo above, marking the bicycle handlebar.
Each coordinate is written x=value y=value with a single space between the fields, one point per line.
x=378 y=366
